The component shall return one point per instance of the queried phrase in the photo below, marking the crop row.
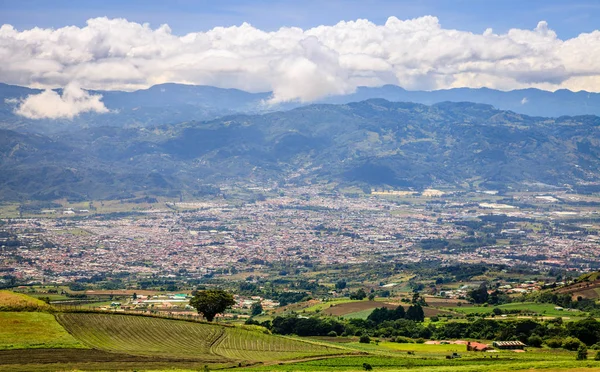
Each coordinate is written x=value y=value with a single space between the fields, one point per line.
x=143 y=335
x=245 y=345
x=139 y=335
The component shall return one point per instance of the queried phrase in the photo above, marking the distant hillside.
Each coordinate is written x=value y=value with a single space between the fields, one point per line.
x=586 y=286
x=533 y=102
x=174 y=103
x=368 y=143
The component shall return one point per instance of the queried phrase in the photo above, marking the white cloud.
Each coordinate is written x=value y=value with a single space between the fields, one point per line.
x=299 y=64
x=524 y=100
x=51 y=105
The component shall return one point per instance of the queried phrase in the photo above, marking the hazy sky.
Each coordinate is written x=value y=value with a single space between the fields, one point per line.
x=300 y=50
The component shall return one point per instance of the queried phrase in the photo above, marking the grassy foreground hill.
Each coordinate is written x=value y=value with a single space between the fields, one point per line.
x=138 y=335
x=44 y=340
x=34 y=337
x=11 y=301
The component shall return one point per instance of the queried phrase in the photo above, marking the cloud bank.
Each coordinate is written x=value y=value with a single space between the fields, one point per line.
x=295 y=64
x=51 y=105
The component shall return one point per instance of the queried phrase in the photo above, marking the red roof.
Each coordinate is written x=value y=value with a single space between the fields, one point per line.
x=476 y=346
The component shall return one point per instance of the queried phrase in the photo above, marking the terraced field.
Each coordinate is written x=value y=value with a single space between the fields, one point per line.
x=146 y=336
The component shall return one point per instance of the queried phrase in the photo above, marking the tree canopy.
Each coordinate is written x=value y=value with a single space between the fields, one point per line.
x=211 y=302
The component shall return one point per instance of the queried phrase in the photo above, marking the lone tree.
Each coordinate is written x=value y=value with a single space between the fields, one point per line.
x=479 y=295
x=358 y=295
x=212 y=302
x=256 y=309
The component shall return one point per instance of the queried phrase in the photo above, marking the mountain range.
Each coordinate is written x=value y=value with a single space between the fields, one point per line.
x=174 y=103
x=369 y=143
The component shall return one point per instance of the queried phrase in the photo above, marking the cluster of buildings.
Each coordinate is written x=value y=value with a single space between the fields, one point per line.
x=306 y=224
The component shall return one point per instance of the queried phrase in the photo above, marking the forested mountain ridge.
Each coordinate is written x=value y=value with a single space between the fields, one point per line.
x=369 y=143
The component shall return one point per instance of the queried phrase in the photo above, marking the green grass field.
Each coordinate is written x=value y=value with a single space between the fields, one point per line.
x=11 y=301
x=148 y=336
x=395 y=357
x=354 y=364
x=526 y=307
x=325 y=305
x=363 y=314
x=26 y=330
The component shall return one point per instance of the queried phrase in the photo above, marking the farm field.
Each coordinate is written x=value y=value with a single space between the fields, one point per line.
x=446 y=302
x=539 y=308
x=354 y=364
x=27 y=330
x=347 y=308
x=363 y=314
x=11 y=301
x=384 y=357
x=145 y=336
x=42 y=360
x=586 y=289
x=362 y=309
x=323 y=306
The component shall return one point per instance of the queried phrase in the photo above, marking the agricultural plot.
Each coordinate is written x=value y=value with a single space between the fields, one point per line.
x=363 y=314
x=30 y=330
x=146 y=336
x=423 y=357
x=525 y=307
x=240 y=344
x=11 y=301
x=355 y=364
x=362 y=309
x=324 y=306
x=346 y=308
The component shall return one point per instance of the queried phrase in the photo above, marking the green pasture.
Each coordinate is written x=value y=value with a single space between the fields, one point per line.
x=525 y=307
x=363 y=314
x=27 y=330
x=433 y=358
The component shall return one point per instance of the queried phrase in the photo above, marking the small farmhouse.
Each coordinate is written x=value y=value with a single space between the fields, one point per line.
x=509 y=345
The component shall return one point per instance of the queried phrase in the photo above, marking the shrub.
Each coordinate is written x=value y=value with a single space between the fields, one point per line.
x=595 y=346
x=582 y=352
x=597 y=357
x=403 y=340
x=367 y=367
x=332 y=334
x=554 y=343
x=434 y=319
x=572 y=343
x=364 y=339
x=535 y=341
x=420 y=341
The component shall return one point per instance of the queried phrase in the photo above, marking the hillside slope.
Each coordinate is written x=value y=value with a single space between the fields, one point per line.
x=145 y=336
x=368 y=143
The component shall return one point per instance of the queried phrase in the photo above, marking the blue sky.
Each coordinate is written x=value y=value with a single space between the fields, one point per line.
x=567 y=18
x=425 y=45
